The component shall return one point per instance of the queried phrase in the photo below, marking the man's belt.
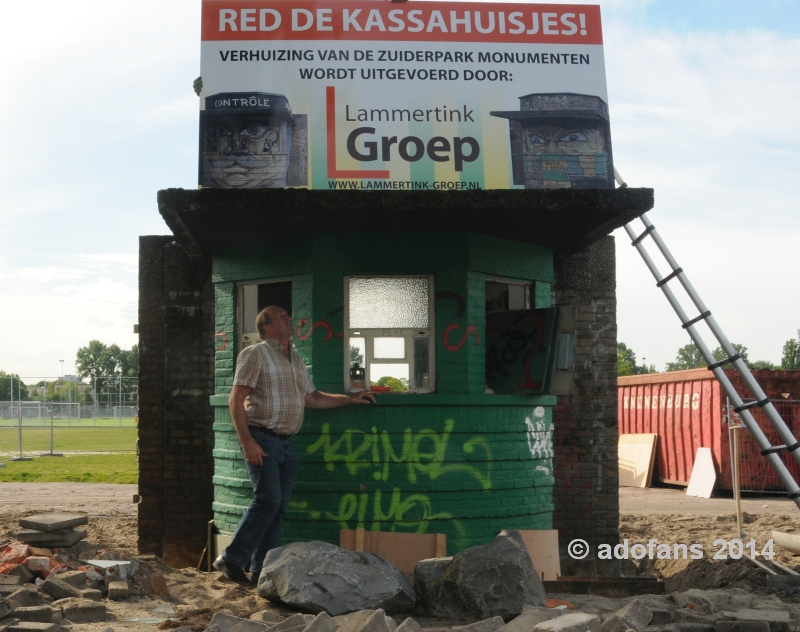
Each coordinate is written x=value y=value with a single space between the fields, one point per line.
x=272 y=433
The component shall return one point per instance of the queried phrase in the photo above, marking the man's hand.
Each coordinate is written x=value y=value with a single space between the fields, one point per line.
x=362 y=397
x=253 y=453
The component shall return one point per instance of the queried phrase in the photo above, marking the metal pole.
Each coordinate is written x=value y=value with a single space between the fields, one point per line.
x=736 y=491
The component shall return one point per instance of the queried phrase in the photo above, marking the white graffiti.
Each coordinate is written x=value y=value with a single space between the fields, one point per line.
x=540 y=439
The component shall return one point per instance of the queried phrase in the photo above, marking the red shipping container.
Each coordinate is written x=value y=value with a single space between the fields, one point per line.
x=687 y=410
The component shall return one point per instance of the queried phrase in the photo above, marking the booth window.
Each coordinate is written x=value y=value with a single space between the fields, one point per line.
x=502 y=296
x=252 y=298
x=389 y=323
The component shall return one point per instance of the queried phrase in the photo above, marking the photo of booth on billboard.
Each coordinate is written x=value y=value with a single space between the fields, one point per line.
x=371 y=79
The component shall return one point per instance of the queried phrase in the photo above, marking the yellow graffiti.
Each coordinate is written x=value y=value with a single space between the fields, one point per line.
x=422 y=453
x=419 y=505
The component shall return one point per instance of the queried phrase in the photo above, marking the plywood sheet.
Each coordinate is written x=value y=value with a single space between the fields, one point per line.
x=542 y=546
x=704 y=476
x=637 y=455
x=403 y=550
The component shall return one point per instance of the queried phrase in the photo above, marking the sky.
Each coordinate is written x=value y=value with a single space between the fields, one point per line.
x=98 y=114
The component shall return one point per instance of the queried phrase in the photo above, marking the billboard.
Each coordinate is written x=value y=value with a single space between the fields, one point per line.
x=344 y=94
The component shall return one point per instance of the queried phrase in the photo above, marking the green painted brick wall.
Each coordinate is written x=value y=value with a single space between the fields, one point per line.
x=468 y=468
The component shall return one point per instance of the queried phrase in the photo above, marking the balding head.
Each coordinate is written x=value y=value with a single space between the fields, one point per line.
x=274 y=322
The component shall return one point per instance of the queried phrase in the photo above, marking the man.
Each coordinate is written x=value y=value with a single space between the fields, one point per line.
x=271 y=388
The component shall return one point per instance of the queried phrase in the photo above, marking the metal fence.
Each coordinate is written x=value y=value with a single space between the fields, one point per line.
x=66 y=415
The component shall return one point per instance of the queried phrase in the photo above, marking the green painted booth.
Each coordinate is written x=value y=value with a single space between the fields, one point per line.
x=396 y=290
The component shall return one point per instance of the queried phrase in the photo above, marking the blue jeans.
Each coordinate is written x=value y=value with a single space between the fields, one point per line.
x=260 y=527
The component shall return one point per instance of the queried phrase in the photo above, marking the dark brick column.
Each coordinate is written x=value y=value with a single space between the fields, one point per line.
x=586 y=490
x=176 y=379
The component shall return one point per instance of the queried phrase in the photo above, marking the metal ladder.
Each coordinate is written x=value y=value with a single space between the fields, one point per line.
x=790 y=443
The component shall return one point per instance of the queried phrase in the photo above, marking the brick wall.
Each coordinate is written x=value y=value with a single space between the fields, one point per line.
x=176 y=370
x=585 y=466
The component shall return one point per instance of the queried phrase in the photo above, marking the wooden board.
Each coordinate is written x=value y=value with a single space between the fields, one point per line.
x=704 y=475
x=542 y=546
x=403 y=550
x=637 y=457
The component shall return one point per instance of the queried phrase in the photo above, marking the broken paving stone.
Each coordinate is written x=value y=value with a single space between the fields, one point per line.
x=5 y=609
x=41 y=614
x=702 y=605
x=78 y=610
x=33 y=626
x=91 y=593
x=571 y=622
x=38 y=564
x=19 y=599
x=11 y=580
x=362 y=621
x=224 y=621
x=246 y=625
x=661 y=617
x=782 y=582
x=266 y=616
x=158 y=584
x=55 y=521
x=293 y=622
x=529 y=618
x=117 y=590
x=633 y=616
x=62 y=537
x=487 y=625
x=741 y=626
x=73 y=578
x=321 y=623
x=410 y=625
x=778 y=619
x=22 y=571
x=58 y=589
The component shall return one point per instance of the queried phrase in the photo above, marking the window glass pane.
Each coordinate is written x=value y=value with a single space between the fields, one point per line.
x=391 y=376
x=358 y=351
x=496 y=297
x=422 y=371
x=516 y=297
x=389 y=348
x=388 y=303
x=249 y=308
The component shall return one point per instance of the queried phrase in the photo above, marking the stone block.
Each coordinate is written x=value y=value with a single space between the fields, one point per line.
x=571 y=622
x=5 y=609
x=54 y=521
x=73 y=578
x=41 y=614
x=38 y=564
x=81 y=610
x=91 y=593
x=293 y=622
x=22 y=571
x=266 y=616
x=63 y=537
x=33 y=626
x=741 y=626
x=321 y=623
x=661 y=617
x=11 y=580
x=19 y=599
x=410 y=625
x=695 y=627
x=35 y=595
x=487 y=625
x=530 y=618
x=782 y=582
x=58 y=589
x=246 y=625
x=778 y=619
x=117 y=590
x=634 y=616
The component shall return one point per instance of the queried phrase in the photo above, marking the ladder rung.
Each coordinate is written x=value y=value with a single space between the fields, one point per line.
x=702 y=316
x=646 y=232
x=731 y=360
x=669 y=277
x=773 y=449
x=761 y=403
x=794 y=495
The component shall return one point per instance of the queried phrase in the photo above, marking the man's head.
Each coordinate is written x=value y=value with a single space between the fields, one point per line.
x=274 y=323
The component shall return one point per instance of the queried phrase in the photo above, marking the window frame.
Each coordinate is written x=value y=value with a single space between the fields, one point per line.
x=527 y=285
x=246 y=338
x=407 y=333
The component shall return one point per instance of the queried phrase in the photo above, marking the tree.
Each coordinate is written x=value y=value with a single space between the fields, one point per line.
x=791 y=355
x=719 y=354
x=626 y=362
x=12 y=388
x=98 y=360
x=397 y=385
x=761 y=364
x=688 y=357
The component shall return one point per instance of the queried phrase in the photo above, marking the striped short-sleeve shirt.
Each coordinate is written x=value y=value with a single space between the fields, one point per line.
x=280 y=385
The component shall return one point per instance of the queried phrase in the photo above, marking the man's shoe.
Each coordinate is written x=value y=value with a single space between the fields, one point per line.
x=234 y=573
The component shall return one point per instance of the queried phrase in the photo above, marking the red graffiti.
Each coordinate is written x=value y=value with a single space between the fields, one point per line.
x=224 y=340
x=321 y=323
x=470 y=329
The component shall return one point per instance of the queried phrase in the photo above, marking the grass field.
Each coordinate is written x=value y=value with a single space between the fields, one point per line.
x=35 y=422
x=81 y=439
x=79 y=468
